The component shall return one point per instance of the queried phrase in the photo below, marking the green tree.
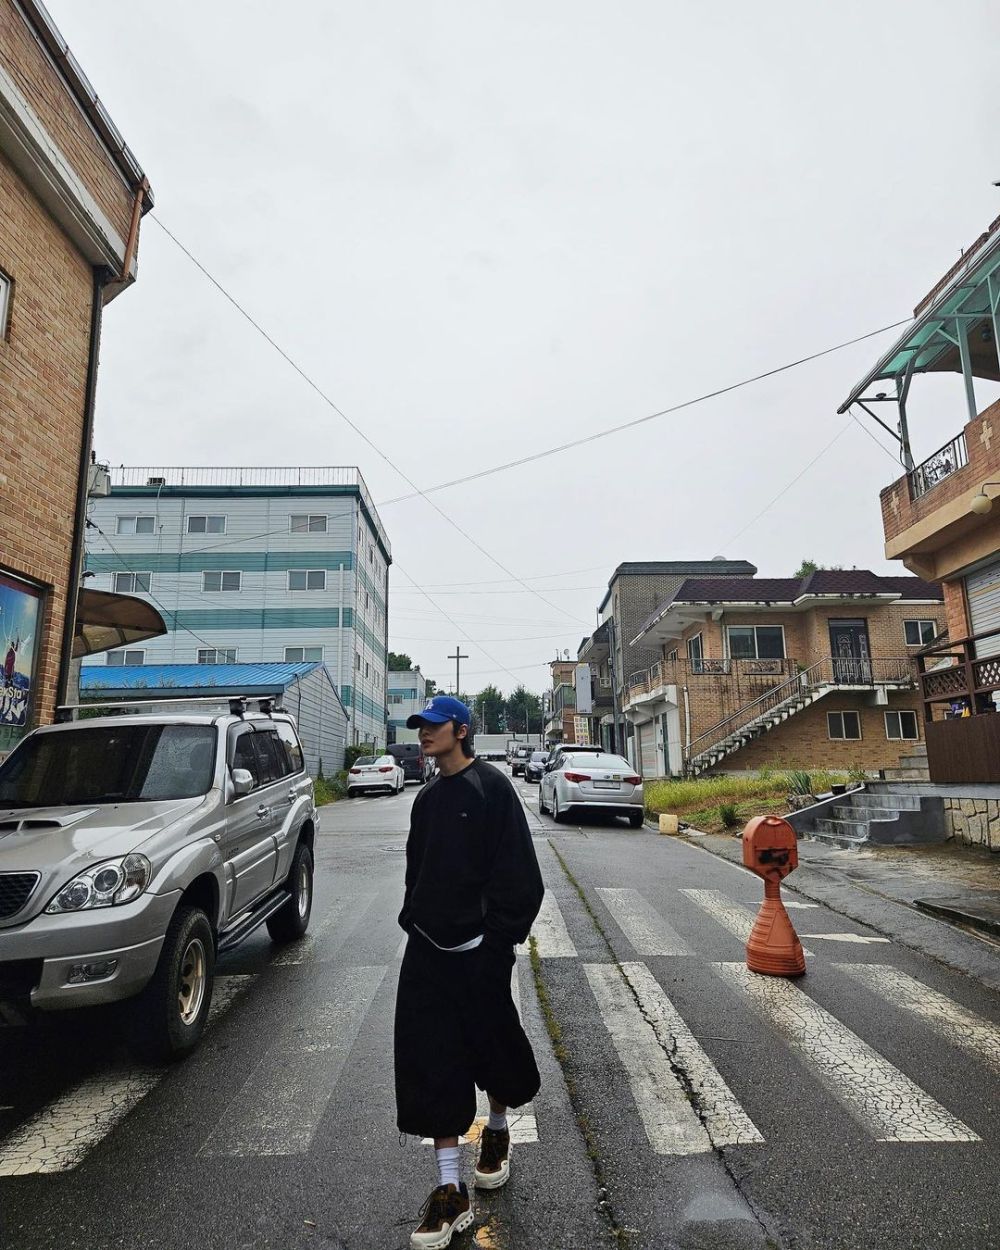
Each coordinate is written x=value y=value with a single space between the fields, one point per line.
x=806 y=568
x=489 y=708
x=398 y=662
x=523 y=712
x=431 y=688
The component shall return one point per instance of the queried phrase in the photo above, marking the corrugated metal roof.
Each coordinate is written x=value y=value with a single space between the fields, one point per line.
x=235 y=678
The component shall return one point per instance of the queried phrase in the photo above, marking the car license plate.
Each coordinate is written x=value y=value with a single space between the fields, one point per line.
x=606 y=785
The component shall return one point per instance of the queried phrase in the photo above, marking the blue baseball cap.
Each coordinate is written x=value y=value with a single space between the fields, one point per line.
x=440 y=709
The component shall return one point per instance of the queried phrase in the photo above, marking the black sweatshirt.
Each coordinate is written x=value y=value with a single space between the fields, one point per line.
x=470 y=862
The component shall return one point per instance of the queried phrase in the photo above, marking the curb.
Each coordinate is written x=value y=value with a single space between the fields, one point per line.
x=961 y=912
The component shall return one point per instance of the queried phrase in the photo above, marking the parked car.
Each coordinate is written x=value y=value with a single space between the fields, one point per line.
x=375 y=772
x=410 y=756
x=518 y=760
x=135 y=848
x=534 y=765
x=594 y=781
x=572 y=748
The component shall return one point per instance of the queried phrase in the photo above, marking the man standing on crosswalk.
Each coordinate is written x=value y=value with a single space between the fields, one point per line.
x=473 y=890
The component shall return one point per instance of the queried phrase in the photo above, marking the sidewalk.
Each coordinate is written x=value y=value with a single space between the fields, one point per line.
x=924 y=897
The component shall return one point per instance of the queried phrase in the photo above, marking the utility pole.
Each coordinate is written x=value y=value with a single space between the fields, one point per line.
x=458 y=657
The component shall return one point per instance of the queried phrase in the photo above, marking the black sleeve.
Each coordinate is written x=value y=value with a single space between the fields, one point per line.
x=514 y=888
x=414 y=854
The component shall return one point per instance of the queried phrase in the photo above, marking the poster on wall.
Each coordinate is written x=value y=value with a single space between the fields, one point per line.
x=20 y=622
x=581 y=730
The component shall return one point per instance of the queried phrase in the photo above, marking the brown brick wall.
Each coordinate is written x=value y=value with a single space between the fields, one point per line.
x=43 y=366
x=45 y=90
x=803 y=741
x=956 y=614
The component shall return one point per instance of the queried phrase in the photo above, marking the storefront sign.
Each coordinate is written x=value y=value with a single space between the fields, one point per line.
x=581 y=730
x=20 y=622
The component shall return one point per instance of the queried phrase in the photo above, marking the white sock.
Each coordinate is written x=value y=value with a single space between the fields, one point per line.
x=449 y=1165
x=497 y=1121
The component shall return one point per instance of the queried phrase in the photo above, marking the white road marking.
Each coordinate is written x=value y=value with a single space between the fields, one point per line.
x=892 y=1106
x=549 y=931
x=351 y=909
x=641 y=923
x=671 y=1124
x=521 y=1121
x=278 y=1108
x=861 y=939
x=788 y=903
x=58 y=1137
x=955 y=1023
x=732 y=916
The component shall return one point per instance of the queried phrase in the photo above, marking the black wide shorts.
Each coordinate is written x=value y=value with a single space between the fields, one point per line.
x=457 y=1028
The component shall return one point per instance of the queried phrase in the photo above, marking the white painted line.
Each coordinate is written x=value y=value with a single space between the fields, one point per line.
x=955 y=1023
x=730 y=915
x=340 y=909
x=549 y=931
x=641 y=923
x=883 y=1098
x=726 y=1121
x=860 y=939
x=755 y=902
x=279 y=1107
x=670 y=1122
x=58 y=1137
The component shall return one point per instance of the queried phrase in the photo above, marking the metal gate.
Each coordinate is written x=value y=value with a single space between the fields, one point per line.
x=983 y=592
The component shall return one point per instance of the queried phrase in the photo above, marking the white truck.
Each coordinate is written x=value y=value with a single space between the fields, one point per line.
x=491 y=746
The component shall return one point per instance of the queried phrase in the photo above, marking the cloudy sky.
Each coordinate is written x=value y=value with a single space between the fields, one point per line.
x=486 y=229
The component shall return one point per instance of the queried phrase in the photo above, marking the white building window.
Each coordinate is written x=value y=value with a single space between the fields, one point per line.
x=756 y=642
x=217 y=655
x=215 y=579
x=6 y=297
x=919 y=633
x=844 y=725
x=901 y=726
x=307 y=579
x=206 y=525
x=132 y=583
x=118 y=659
x=135 y=524
x=308 y=523
x=303 y=655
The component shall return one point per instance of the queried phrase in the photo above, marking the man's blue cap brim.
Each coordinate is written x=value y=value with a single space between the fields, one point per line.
x=421 y=718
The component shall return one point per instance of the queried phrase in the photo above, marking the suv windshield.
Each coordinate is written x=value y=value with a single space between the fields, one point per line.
x=109 y=764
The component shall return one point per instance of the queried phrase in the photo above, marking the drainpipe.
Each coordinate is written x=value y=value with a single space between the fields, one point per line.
x=101 y=277
x=687 y=729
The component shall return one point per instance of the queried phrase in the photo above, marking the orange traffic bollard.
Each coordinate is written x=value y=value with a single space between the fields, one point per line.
x=771 y=851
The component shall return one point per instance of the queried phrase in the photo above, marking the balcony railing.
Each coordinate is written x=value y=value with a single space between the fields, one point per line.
x=946 y=461
x=955 y=672
x=752 y=673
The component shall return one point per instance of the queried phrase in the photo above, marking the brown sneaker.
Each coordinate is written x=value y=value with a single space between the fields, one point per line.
x=493 y=1165
x=448 y=1210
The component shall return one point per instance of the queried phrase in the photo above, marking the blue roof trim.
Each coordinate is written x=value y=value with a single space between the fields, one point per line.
x=186 y=678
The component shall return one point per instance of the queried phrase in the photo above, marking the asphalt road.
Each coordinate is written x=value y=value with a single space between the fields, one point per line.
x=691 y=1105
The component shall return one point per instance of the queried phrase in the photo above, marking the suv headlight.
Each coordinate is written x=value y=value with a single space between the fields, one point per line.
x=105 y=885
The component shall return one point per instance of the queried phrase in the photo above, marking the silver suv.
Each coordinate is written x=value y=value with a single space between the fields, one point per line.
x=134 y=848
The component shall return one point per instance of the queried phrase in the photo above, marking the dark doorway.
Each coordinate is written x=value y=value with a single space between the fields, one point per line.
x=851 y=653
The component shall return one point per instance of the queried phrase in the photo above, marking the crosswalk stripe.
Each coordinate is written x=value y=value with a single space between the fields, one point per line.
x=549 y=931
x=351 y=909
x=892 y=1106
x=859 y=939
x=953 y=1022
x=521 y=1121
x=59 y=1135
x=732 y=916
x=278 y=1109
x=641 y=923
x=671 y=1124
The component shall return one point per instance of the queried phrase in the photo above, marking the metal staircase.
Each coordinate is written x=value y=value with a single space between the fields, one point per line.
x=788 y=699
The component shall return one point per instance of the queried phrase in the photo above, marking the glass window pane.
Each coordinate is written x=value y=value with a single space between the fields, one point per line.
x=215 y=524
x=296 y=580
x=142 y=582
x=244 y=756
x=770 y=642
x=852 y=725
x=741 y=642
x=144 y=525
x=908 y=724
x=300 y=523
x=230 y=581
x=313 y=655
x=892 y=725
x=293 y=655
x=912 y=629
x=834 y=725
x=317 y=524
x=316 y=579
x=115 y=658
x=196 y=525
x=125 y=525
x=211 y=581
x=928 y=630
x=287 y=735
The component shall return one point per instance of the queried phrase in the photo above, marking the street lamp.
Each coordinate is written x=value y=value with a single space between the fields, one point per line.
x=982 y=503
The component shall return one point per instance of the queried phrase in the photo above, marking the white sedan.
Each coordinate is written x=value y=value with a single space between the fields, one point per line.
x=596 y=782
x=370 y=772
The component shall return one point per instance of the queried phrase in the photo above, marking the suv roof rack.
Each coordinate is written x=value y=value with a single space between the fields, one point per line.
x=266 y=704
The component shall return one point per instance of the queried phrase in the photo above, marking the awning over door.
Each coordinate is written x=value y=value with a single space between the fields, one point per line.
x=105 y=621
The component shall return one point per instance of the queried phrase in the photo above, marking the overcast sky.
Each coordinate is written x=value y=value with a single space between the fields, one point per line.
x=487 y=228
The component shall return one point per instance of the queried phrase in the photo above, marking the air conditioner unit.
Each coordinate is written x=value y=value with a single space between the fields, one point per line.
x=98 y=481
x=156 y=481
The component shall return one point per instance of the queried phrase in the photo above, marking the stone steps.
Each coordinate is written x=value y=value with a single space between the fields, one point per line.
x=879 y=817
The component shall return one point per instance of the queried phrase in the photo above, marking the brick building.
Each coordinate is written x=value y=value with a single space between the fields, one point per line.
x=71 y=198
x=806 y=672
x=939 y=518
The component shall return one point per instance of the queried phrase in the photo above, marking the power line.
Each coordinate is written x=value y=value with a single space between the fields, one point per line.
x=653 y=416
x=356 y=428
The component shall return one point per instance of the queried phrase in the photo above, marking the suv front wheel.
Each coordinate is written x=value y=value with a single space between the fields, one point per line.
x=171 y=1012
x=290 y=922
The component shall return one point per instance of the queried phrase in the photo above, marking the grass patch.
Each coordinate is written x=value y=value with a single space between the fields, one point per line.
x=713 y=804
x=329 y=790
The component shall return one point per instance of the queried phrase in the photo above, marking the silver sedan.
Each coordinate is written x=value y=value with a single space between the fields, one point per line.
x=606 y=783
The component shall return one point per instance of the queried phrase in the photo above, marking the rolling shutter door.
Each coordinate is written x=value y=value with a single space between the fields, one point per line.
x=647 y=749
x=983 y=591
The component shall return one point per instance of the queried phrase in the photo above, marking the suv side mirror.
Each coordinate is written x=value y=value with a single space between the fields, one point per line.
x=242 y=781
